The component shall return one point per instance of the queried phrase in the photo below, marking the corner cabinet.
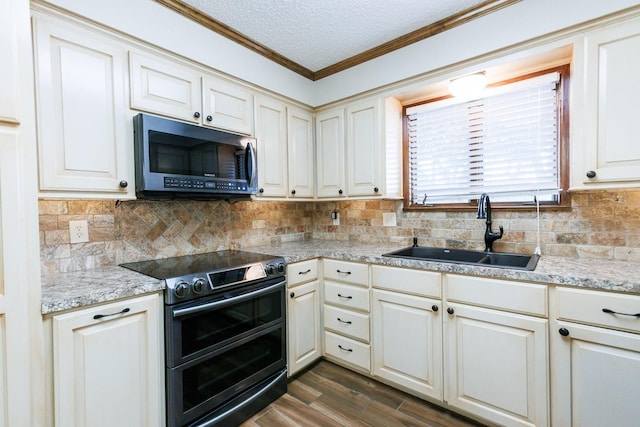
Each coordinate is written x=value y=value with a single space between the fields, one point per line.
x=611 y=154
x=171 y=89
x=407 y=329
x=303 y=315
x=85 y=134
x=108 y=364
x=349 y=150
x=595 y=358
x=496 y=352
x=285 y=149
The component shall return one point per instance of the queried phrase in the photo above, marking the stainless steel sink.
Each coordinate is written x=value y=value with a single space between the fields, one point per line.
x=461 y=256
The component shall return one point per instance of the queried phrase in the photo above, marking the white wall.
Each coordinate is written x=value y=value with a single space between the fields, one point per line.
x=520 y=22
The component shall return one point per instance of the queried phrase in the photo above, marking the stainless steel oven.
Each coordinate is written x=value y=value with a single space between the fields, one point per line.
x=225 y=336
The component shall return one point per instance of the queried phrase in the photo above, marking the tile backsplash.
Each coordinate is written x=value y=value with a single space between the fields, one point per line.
x=600 y=224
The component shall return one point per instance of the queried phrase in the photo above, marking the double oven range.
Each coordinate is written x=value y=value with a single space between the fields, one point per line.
x=225 y=335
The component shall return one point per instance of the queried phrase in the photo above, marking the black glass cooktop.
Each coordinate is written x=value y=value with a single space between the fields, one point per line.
x=167 y=268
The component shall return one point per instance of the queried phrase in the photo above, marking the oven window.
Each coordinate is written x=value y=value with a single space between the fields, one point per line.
x=231 y=368
x=215 y=326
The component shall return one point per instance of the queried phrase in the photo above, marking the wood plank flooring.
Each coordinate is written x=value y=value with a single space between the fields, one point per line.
x=329 y=395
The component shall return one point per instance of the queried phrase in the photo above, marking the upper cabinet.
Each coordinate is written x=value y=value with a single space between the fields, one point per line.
x=349 y=150
x=285 y=149
x=10 y=70
x=85 y=134
x=610 y=98
x=171 y=89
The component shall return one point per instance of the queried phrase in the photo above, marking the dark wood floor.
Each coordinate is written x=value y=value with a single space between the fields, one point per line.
x=329 y=395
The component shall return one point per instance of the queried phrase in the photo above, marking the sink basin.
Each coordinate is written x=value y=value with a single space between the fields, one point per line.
x=461 y=256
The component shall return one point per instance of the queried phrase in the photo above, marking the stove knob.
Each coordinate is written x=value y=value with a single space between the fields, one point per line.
x=198 y=285
x=182 y=289
x=270 y=269
x=280 y=267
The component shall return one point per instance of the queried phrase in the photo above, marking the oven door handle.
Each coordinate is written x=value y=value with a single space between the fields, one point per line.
x=244 y=403
x=204 y=307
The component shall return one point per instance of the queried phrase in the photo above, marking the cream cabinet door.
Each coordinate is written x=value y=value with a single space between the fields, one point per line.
x=227 y=106
x=595 y=376
x=496 y=365
x=364 y=149
x=304 y=326
x=108 y=371
x=301 y=153
x=165 y=88
x=407 y=341
x=10 y=70
x=85 y=134
x=271 y=136
x=330 y=153
x=611 y=93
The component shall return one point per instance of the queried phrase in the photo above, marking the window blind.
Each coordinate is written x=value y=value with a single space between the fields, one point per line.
x=505 y=144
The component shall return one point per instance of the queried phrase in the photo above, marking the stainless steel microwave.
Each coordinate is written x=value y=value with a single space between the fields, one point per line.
x=175 y=159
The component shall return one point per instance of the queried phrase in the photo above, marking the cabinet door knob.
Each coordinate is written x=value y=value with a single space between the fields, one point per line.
x=450 y=310
x=123 y=184
x=209 y=118
x=292 y=294
x=375 y=189
x=434 y=307
x=564 y=332
x=196 y=115
x=261 y=190
x=293 y=192
x=340 y=191
x=591 y=174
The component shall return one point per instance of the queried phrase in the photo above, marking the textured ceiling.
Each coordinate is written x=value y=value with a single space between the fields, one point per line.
x=319 y=33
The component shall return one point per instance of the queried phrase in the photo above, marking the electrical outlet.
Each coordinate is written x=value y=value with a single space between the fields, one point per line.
x=389 y=219
x=78 y=231
x=335 y=218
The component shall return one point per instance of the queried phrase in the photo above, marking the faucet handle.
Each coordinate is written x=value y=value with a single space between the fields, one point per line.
x=501 y=231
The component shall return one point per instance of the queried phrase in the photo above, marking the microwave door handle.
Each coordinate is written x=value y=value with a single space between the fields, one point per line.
x=251 y=164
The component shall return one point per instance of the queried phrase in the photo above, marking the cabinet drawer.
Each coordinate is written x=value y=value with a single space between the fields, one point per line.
x=347 y=296
x=422 y=283
x=346 y=322
x=520 y=297
x=583 y=306
x=344 y=271
x=301 y=272
x=348 y=350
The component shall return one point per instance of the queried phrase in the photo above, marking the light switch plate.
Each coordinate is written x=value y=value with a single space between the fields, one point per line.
x=389 y=219
x=78 y=231
x=336 y=220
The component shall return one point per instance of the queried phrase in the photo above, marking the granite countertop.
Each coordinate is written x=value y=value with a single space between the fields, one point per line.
x=66 y=291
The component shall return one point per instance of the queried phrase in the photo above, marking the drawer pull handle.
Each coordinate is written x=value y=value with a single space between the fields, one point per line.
x=345 y=296
x=350 y=350
x=304 y=272
x=100 y=316
x=347 y=322
x=606 y=310
x=344 y=272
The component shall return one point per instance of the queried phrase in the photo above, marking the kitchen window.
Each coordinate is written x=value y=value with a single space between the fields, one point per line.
x=511 y=143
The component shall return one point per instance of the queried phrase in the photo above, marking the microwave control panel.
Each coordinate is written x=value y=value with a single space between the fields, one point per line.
x=200 y=184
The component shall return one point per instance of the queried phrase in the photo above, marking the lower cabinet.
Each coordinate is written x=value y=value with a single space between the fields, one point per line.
x=595 y=370
x=108 y=364
x=304 y=344
x=495 y=351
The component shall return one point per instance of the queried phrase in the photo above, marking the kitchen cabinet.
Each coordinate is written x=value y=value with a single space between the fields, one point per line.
x=108 y=364
x=285 y=150
x=495 y=350
x=595 y=358
x=406 y=322
x=303 y=315
x=165 y=87
x=10 y=71
x=611 y=155
x=85 y=134
x=349 y=150
x=346 y=314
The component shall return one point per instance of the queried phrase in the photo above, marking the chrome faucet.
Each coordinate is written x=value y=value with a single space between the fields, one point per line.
x=484 y=211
